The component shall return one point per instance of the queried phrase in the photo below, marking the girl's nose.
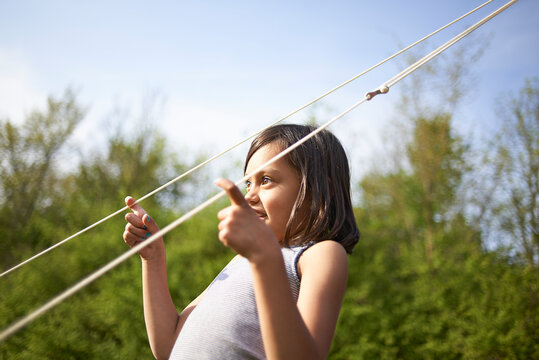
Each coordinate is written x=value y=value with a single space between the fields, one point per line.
x=252 y=195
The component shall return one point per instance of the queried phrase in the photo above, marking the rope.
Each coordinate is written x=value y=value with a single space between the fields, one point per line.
x=98 y=273
x=95 y=275
x=444 y=47
x=240 y=143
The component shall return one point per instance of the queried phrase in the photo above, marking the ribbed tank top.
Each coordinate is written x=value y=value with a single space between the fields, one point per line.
x=224 y=325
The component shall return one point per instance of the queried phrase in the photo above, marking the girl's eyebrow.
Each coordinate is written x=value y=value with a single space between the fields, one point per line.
x=265 y=171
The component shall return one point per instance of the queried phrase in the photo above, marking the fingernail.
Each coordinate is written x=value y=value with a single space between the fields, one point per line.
x=147 y=235
x=148 y=218
x=143 y=238
x=144 y=227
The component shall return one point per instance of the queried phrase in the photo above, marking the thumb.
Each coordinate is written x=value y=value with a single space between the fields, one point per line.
x=135 y=207
x=234 y=194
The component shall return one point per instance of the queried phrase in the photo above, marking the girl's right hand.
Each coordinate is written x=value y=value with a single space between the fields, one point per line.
x=140 y=227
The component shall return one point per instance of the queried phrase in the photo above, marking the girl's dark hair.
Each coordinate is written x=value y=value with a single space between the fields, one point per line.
x=322 y=167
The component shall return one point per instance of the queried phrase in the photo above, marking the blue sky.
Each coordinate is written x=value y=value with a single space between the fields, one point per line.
x=221 y=70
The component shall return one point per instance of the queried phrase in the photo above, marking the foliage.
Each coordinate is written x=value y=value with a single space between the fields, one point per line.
x=422 y=283
x=109 y=312
x=517 y=161
x=28 y=170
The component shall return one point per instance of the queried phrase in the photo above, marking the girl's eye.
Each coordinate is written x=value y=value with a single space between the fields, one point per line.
x=247 y=185
x=266 y=180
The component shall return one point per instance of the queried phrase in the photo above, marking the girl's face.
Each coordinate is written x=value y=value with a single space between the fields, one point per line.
x=272 y=192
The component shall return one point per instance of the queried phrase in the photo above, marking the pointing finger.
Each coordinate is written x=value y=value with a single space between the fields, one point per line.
x=234 y=194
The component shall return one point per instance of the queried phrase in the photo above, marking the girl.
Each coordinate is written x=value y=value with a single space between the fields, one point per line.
x=280 y=297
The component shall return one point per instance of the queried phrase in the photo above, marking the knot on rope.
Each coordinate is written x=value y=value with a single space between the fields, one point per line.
x=381 y=90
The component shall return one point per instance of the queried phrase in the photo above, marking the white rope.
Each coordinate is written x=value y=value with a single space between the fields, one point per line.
x=92 y=277
x=442 y=48
x=241 y=142
x=95 y=275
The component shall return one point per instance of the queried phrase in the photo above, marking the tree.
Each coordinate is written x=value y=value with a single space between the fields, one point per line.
x=421 y=283
x=517 y=160
x=27 y=166
x=104 y=320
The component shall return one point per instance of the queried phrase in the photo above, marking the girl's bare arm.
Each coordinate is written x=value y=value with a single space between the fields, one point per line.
x=163 y=323
x=303 y=330
x=289 y=330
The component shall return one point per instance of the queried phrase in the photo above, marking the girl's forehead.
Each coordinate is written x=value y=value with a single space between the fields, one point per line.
x=265 y=154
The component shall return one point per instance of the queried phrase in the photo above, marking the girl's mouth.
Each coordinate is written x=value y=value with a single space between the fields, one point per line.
x=261 y=215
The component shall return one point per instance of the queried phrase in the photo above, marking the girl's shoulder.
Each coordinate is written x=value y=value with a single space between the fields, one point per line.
x=326 y=256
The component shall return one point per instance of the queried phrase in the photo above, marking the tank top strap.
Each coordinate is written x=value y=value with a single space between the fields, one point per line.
x=291 y=257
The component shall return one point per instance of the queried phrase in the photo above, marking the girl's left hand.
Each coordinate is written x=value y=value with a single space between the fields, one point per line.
x=240 y=228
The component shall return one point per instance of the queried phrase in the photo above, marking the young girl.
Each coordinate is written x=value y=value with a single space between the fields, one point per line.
x=280 y=297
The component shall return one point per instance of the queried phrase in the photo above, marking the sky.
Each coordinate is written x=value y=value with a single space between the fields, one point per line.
x=215 y=71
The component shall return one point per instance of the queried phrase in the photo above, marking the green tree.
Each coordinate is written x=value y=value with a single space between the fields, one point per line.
x=517 y=160
x=422 y=283
x=28 y=169
x=437 y=160
x=105 y=320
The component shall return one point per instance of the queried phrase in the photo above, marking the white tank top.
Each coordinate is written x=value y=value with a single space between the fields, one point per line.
x=224 y=325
